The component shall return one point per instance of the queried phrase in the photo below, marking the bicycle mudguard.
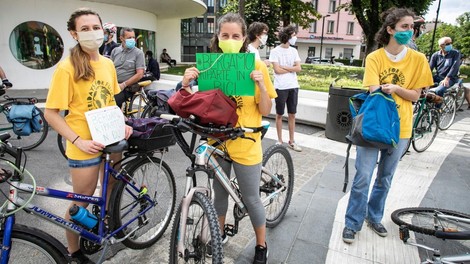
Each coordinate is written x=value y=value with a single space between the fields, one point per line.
x=465 y=235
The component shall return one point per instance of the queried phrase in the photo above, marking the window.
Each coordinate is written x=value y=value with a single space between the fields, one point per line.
x=210 y=25
x=186 y=26
x=210 y=3
x=328 y=52
x=331 y=27
x=222 y=3
x=313 y=27
x=350 y=29
x=347 y=53
x=200 y=25
x=311 y=51
x=36 y=45
x=315 y=4
x=332 y=7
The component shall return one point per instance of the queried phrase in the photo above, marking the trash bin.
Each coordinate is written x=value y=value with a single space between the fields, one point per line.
x=338 y=115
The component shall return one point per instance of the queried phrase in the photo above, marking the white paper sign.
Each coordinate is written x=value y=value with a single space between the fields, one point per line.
x=106 y=124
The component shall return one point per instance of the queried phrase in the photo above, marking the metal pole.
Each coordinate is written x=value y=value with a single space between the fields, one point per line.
x=434 y=31
x=321 y=40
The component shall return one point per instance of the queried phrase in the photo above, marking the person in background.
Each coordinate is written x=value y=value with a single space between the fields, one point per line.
x=418 y=30
x=246 y=154
x=129 y=62
x=85 y=72
x=5 y=81
x=109 y=44
x=257 y=37
x=351 y=60
x=286 y=63
x=446 y=62
x=401 y=72
x=152 y=65
x=165 y=57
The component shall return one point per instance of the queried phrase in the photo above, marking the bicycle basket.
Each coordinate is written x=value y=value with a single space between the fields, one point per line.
x=150 y=134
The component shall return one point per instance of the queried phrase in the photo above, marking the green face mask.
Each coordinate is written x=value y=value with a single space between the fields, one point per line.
x=230 y=45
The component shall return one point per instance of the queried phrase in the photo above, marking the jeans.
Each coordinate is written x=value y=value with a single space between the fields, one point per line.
x=360 y=206
x=441 y=89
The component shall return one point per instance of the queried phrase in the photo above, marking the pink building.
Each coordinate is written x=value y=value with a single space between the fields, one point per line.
x=341 y=32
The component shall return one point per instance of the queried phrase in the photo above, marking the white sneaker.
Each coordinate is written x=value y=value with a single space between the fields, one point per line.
x=294 y=146
x=278 y=143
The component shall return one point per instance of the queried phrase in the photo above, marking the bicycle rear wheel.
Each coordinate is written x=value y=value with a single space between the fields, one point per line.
x=460 y=96
x=26 y=142
x=447 y=114
x=200 y=212
x=424 y=220
x=136 y=106
x=32 y=246
x=155 y=194
x=426 y=130
x=276 y=198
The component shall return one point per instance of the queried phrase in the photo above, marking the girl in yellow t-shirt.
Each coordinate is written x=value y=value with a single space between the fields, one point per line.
x=401 y=72
x=246 y=154
x=82 y=82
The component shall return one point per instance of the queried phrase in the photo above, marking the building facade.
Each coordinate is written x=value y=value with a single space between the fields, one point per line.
x=34 y=36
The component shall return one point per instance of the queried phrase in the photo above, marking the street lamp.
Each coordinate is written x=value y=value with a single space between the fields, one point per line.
x=321 y=40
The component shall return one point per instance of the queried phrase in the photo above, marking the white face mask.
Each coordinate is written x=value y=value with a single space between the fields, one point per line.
x=292 y=40
x=90 y=41
x=263 y=39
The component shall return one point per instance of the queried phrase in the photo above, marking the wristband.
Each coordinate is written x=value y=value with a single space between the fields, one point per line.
x=73 y=142
x=125 y=85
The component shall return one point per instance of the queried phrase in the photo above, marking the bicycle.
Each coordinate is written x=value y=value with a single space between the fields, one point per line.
x=26 y=142
x=448 y=107
x=425 y=123
x=440 y=223
x=137 y=217
x=195 y=224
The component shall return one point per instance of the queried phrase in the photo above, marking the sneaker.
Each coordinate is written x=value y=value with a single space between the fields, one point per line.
x=294 y=146
x=348 y=235
x=261 y=254
x=278 y=143
x=209 y=245
x=378 y=228
x=79 y=258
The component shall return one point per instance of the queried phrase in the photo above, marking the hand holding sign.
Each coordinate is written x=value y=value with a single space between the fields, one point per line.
x=229 y=72
x=106 y=125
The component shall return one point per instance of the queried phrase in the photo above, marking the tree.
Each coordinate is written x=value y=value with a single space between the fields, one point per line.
x=368 y=15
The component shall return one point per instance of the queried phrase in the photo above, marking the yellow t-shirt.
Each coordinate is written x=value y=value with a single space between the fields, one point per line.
x=245 y=151
x=82 y=96
x=412 y=72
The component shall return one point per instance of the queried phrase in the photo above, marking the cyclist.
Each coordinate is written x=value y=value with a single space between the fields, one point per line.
x=109 y=44
x=446 y=61
x=418 y=30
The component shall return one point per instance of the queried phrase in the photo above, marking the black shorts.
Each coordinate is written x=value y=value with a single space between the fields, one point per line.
x=289 y=97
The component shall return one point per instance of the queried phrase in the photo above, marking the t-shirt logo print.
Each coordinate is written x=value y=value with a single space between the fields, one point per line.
x=99 y=95
x=393 y=76
x=237 y=100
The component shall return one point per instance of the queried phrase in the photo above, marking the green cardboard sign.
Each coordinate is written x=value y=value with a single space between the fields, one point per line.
x=229 y=72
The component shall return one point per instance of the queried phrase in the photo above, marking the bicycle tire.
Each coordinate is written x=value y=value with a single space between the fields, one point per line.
x=127 y=203
x=459 y=95
x=149 y=111
x=30 y=245
x=26 y=142
x=62 y=143
x=447 y=114
x=277 y=160
x=195 y=251
x=426 y=130
x=135 y=111
x=421 y=220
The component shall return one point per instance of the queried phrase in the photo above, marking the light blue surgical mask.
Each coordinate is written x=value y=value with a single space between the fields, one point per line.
x=105 y=38
x=403 y=37
x=448 y=48
x=130 y=43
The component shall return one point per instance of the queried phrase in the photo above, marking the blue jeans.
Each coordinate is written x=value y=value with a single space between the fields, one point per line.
x=360 y=206
x=441 y=89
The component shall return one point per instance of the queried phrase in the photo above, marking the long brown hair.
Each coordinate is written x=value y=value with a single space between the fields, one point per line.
x=390 y=19
x=80 y=59
x=229 y=18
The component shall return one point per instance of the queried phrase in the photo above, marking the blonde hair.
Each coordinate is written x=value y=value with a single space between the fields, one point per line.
x=80 y=59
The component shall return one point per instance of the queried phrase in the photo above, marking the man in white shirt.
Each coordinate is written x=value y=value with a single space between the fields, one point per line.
x=286 y=63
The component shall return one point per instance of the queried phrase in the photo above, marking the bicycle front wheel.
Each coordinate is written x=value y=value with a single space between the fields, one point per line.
x=152 y=203
x=26 y=142
x=426 y=130
x=427 y=221
x=202 y=233
x=447 y=113
x=277 y=183
x=31 y=246
x=460 y=96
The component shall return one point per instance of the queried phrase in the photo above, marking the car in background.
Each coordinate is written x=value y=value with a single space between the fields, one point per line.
x=316 y=60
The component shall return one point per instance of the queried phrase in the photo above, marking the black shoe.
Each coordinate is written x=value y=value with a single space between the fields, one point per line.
x=209 y=245
x=261 y=254
x=349 y=235
x=79 y=258
x=378 y=228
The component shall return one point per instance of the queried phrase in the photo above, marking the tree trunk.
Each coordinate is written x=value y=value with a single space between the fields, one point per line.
x=241 y=8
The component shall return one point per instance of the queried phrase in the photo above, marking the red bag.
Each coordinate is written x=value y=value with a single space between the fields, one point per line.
x=211 y=107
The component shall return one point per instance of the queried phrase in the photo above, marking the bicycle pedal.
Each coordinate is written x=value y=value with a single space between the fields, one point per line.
x=230 y=230
x=404 y=233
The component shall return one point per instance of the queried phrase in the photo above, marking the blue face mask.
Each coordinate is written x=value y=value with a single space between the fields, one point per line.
x=105 y=38
x=403 y=37
x=130 y=43
x=448 y=48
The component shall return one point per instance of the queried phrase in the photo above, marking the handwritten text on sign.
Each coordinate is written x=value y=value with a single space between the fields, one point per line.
x=227 y=72
x=106 y=124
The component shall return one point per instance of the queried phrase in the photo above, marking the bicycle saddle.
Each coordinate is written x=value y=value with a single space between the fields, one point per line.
x=116 y=147
x=144 y=83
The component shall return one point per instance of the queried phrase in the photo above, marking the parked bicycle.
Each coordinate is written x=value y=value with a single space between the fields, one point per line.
x=32 y=140
x=440 y=223
x=143 y=201
x=196 y=224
